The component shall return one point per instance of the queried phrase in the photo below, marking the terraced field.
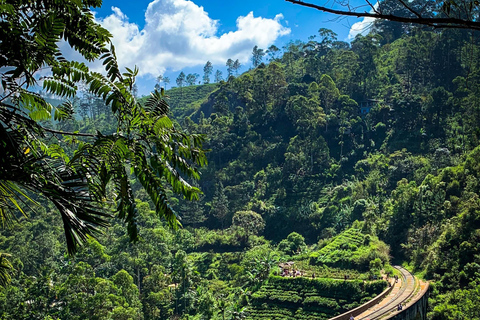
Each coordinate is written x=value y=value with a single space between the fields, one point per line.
x=309 y=299
x=350 y=250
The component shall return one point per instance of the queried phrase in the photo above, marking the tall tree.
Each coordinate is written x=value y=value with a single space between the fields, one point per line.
x=166 y=80
x=196 y=76
x=220 y=205
x=181 y=79
x=159 y=81
x=272 y=52
x=236 y=66
x=192 y=78
x=257 y=56
x=207 y=71
x=230 y=68
x=218 y=76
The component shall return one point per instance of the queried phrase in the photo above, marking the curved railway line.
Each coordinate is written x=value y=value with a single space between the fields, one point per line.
x=407 y=290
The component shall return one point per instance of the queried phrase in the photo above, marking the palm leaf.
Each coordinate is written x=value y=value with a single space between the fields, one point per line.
x=5 y=268
x=11 y=200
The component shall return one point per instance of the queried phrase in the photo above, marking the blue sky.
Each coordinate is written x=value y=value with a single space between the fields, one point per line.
x=168 y=36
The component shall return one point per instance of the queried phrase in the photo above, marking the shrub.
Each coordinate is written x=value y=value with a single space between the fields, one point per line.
x=294 y=243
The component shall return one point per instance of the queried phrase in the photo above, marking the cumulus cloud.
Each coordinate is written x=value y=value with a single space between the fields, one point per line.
x=362 y=27
x=179 y=34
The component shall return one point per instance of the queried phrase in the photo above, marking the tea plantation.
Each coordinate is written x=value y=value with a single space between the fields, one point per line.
x=304 y=298
x=351 y=250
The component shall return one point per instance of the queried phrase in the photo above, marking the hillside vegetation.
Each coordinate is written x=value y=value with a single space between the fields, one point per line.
x=186 y=100
x=351 y=250
x=341 y=157
x=303 y=298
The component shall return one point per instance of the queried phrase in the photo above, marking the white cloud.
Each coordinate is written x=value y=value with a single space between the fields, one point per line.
x=179 y=33
x=362 y=27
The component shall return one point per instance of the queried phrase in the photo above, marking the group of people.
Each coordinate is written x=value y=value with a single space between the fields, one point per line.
x=293 y=273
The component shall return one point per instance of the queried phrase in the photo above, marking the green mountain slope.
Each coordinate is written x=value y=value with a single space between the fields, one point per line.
x=384 y=131
x=186 y=100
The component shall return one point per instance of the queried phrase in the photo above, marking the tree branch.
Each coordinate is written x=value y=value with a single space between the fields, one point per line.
x=12 y=91
x=410 y=9
x=372 y=6
x=454 y=23
x=70 y=133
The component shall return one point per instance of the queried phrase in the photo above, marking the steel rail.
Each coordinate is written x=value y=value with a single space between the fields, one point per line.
x=395 y=300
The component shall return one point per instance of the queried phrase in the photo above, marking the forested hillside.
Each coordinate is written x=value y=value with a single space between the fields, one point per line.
x=340 y=157
x=383 y=130
x=329 y=133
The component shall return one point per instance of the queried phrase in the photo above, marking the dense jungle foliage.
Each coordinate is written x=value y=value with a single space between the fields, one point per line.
x=337 y=156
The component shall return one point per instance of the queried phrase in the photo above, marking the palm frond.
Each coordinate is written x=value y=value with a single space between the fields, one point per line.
x=5 y=268
x=12 y=199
